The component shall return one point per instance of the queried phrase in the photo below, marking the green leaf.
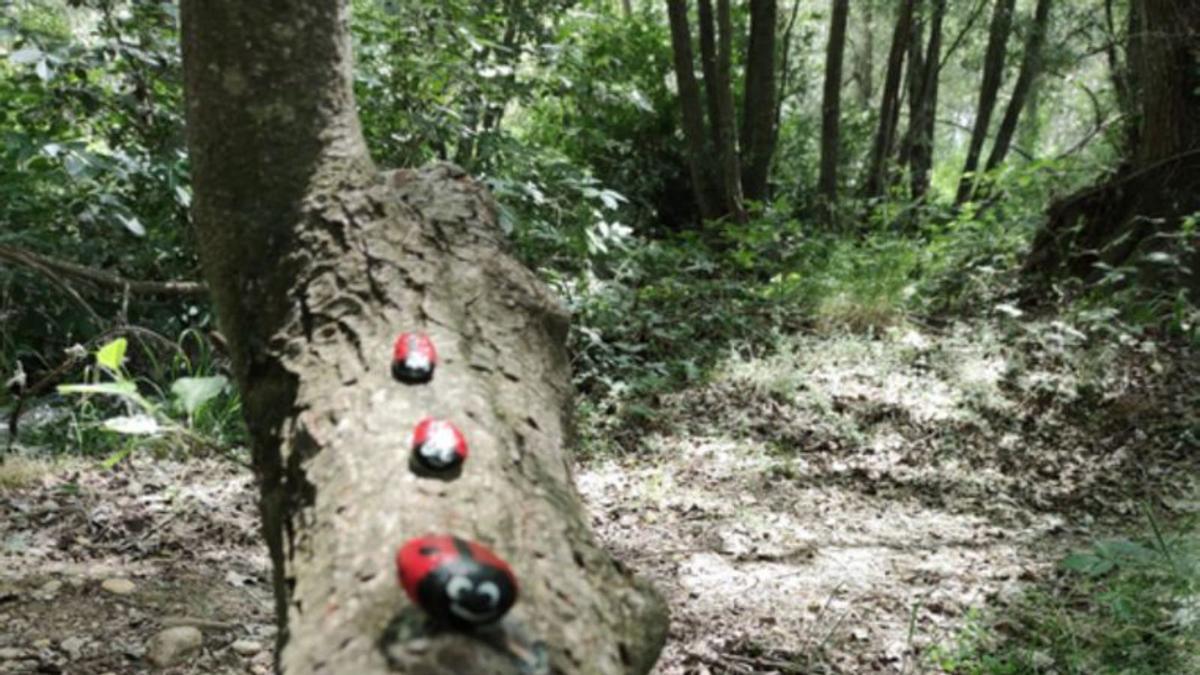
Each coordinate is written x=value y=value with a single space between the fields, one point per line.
x=194 y=392
x=133 y=425
x=122 y=388
x=116 y=457
x=112 y=355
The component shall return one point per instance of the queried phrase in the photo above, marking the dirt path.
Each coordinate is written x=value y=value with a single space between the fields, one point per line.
x=848 y=504
x=841 y=506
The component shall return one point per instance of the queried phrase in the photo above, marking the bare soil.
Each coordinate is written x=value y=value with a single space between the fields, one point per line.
x=844 y=505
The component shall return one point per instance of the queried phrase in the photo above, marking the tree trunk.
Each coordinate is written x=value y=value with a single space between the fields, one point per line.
x=758 y=111
x=922 y=126
x=727 y=150
x=914 y=79
x=864 y=58
x=1140 y=210
x=989 y=90
x=1120 y=71
x=889 y=106
x=1031 y=66
x=1029 y=133
x=707 y=196
x=315 y=263
x=708 y=66
x=831 y=105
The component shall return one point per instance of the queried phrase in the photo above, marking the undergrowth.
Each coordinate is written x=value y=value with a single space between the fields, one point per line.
x=1121 y=605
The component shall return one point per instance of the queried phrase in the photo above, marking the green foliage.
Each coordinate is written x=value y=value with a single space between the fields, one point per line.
x=1121 y=606
x=112 y=416
x=92 y=166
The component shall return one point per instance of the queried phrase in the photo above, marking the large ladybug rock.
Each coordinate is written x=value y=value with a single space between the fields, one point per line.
x=438 y=447
x=459 y=583
x=413 y=358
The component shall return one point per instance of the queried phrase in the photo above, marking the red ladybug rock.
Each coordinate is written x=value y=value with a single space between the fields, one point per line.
x=438 y=446
x=413 y=358
x=459 y=583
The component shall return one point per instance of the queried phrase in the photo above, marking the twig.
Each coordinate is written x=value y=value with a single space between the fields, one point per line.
x=55 y=270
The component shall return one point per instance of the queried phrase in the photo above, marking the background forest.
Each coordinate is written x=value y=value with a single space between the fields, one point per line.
x=734 y=200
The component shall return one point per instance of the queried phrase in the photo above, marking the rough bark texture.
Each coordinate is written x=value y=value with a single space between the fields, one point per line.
x=1031 y=66
x=831 y=104
x=691 y=111
x=989 y=91
x=315 y=262
x=758 y=105
x=889 y=106
x=1141 y=208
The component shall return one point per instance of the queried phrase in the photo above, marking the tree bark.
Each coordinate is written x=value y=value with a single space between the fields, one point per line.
x=758 y=109
x=315 y=263
x=914 y=80
x=989 y=90
x=889 y=107
x=708 y=66
x=1031 y=66
x=703 y=185
x=718 y=64
x=831 y=104
x=864 y=58
x=925 y=114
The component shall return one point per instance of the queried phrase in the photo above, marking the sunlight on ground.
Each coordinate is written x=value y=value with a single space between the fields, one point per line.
x=847 y=502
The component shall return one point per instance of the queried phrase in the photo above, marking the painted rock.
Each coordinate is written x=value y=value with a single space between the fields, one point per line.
x=438 y=446
x=413 y=358
x=457 y=582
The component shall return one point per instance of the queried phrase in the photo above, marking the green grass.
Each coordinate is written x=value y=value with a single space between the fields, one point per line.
x=1128 y=606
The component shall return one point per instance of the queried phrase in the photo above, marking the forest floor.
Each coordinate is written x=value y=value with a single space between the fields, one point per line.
x=847 y=504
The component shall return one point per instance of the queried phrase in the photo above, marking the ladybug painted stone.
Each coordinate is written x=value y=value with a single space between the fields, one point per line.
x=457 y=582
x=413 y=358
x=437 y=446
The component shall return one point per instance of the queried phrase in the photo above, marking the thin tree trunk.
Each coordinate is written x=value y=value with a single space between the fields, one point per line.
x=758 y=111
x=1118 y=70
x=707 y=197
x=727 y=150
x=1031 y=66
x=921 y=160
x=831 y=104
x=316 y=262
x=1029 y=133
x=785 y=65
x=989 y=90
x=864 y=58
x=914 y=78
x=712 y=88
x=889 y=107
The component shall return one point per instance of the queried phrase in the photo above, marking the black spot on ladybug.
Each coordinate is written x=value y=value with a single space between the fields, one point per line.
x=414 y=358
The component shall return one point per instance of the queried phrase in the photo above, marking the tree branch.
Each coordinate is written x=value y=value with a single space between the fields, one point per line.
x=55 y=269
